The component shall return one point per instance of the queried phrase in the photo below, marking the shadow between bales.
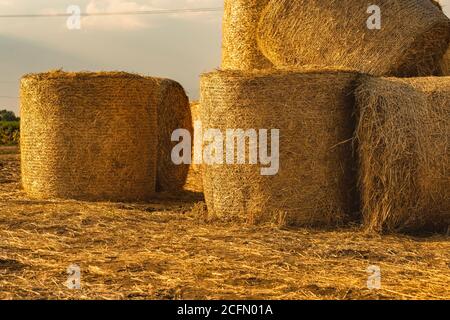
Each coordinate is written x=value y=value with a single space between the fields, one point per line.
x=10 y=265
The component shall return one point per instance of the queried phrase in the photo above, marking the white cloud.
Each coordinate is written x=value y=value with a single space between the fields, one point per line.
x=199 y=17
x=5 y=3
x=130 y=22
x=171 y=4
x=123 y=22
x=133 y=22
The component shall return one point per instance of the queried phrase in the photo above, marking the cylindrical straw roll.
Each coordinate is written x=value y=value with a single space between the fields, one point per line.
x=88 y=136
x=404 y=138
x=173 y=113
x=391 y=37
x=446 y=63
x=315 y=183
x=239 y=48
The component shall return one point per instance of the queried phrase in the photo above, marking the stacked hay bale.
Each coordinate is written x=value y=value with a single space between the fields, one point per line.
x=315 y=184
x=173 y=113
x=437 y=4
x=194 y=182
x=309 y=188
x=446 y=63
x=240 y=49
x=403 y=135
x=89 y=136
x=412 y=39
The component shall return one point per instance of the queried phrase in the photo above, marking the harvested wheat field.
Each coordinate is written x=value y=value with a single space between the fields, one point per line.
x=164 y=250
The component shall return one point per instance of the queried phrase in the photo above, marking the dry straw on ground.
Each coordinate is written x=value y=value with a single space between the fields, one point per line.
x=88 y=136
x=173 y=113
x=403 y=136
x=239 y=49
x=161 y=250
x=165 y=256
x=413 y=36
x=194 y=180
x=313 y=111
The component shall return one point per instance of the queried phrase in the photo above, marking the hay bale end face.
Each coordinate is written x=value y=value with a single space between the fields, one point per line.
x=173 y=113
x=239 y=48
x=446 y=63
x=194 y=181
x=316 y=181
x=411 y=41
x=403 y=137
x=88 y=136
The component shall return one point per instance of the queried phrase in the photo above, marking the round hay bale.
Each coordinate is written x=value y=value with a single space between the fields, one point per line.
x=239 y=48
x=446 y=64
x=437 y=4
x=403 y=136
x=88 y=136
x=411 y=42
x=173 y=113
x=194 y=181
x=316 y=180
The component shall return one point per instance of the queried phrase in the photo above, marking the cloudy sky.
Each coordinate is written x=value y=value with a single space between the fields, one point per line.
x=174 y=46
x=177 y=46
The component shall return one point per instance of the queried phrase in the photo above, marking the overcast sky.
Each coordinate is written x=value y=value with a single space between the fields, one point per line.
x=177 y=46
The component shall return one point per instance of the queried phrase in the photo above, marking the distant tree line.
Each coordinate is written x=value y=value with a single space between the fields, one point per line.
x=9 y=128
x=6 y=115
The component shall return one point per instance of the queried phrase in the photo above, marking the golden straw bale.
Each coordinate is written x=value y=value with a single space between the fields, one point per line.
x=316 y=181
x=173 y=113
x=446 y=63
x=403 y=136
x=194 y=180
x=239 y=48
x=89 y=136
x=437 y=4
x=413 y=37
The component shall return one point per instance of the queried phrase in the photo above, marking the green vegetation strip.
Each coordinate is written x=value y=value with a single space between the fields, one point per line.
x=9 y=132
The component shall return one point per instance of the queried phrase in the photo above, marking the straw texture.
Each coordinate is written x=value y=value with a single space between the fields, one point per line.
x=446 y=63
x=437 y=4
x=313 y=110
x=194 y=180
x=89 y=136
x=173 y=113
x=411 y=42
x=403 y=136
x=239 y=48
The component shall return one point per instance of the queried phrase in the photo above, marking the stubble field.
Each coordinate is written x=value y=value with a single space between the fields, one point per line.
x=164 y=249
